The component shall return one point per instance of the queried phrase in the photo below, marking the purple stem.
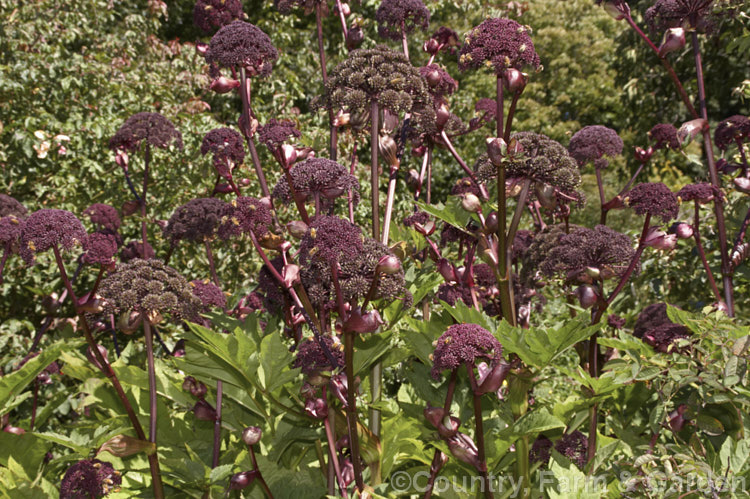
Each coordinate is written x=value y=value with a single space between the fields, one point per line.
x=144 y=225
x=462 y=163
x=217 y=424
x=434 y=470
x=374 y=176
x=702 y=253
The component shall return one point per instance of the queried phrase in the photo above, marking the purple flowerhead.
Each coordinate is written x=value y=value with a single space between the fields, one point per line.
x=593 y=143
x=277 y=132
x=153 y=128
x=665 y=14
x=210 y=15
x=397 y=16
x=330 y=239
x=733 y=130
x=48 y=228
x=227 y=147
x=439 y=82
x=246 y=215
x=378 y=74
x=464 y=185
x=241 y=44
x=599 y=250
x=99 y=248
x=10 y=232
x=318 y=177
x=103 y=216
x=655 y=199
x=464 y=344
x=499 y=44
x=615 y=321
x=10 y=206
x=573 y=446
x=443 y=37
x=664 y=135
x=702 y=192
x=89 y=478
x=420 y=217
x=210 y=295
x=197 y=220
x=662 y=337
x=313 y=360
x=652 y=316
x=149 y=288
x=137 y=249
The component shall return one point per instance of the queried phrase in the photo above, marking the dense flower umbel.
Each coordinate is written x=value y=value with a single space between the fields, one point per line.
x=196 y=220
x=210 y=15
x=499 y=44
x=47 y=228
x=702 y=192
x=655 y=199
x=330 y=239
x=600 y=248
x=137 y=249
x=735 y=129
x=227 y=147
x=150 y=288
x=573 y=446
x=651 y=317
x=89 y=478
x=378 y=74
x=10 y=231
x=664 y=135
x=99 y=248
x=209 y=294
x=103 y=216
x=246 y=215
x=312 y=359
x=318 y=176
x=272 y=290
x=592 y=143
x=666 y=14
x=241 y=44
x=10 y=206
x=662 y=337
x=396 y=15
x=153 y=128
x=277 y=132
x=420 y=217
x=464 y=344
x=439 y=82
x=464 y=185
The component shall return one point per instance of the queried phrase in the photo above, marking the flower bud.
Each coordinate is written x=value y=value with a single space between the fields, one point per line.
x=412 y=179
x=201 y=48
x=490 y=223
x=514 y=80
x=432 y=77
x=491 y=379
x=92 y=358
x=465 y=450
x=204 y=411
x=242 y=480
x=124 y=446
x=643 y=155
x=431 y=46
x=358 y=322
x=682 y=230
x=674 y=39
x=497 y=148
x=545 y=193
x=388 y=265
x=742 y=184
x=471 y=203
x=288 y=154
x=388 y=150
x=179 y=348
x=617 y=9
x=347 y=472
x=691 y=129
x=446 y=270
x=345 y=9
x=341 y=119
x=195 y=387
x=15 y=430
x=587 y=296
x=307 y=391
x=297 y=229
x=658 y=239
x=442 y=115
x=222 y=85
x=354 y=37
x=425 y=229
x=316 y=408
x=121 y=158
x=129 y=322
x=251 y=435
x=290 y=273
x=339 y=387
x=130 y=207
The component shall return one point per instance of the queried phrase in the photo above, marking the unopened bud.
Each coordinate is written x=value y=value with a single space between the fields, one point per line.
x=490 y=223
x=240 y=481
x=388 y=264
x=204 y=411
x=660 y=240
x=587 y=296
x=496 y=150
x=201 y=48
x=691 y=129
x=545 y=193
x=222 y=85
x=465 y=450
x=682 y=230
x=354 y=37
x=618 y=9
x=432 y=77
x=431 y=46
x=130 y=207
x=358 y=322
x=642 y=154
x=514 y=80
x=674 y=39
x=491 y=379
x=426 y=229
x=339 y=387
x=389 y=150
x=251 y=435
x=471 y=203
x=129 y=322
x=92 y=357
x=290 y=273
x=195 y=387
x=341 y=119
x=442 y=115
x=316 y=408
x=446 y=270
x=345 y=9
x=124 y=446
x=297 y=229
x=742 y=184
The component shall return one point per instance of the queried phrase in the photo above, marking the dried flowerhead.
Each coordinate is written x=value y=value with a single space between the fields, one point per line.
x=153 y=128
x=499 y=44
x=733 y=130
x=241 y=44
x=48 y=228
x=150 y=288
x=209 y=294
x=245 y=215
x=313 y=360
x=664 y=135
x=197 y=220
x=227 y=147
x=318 y=177
x=89 y=478
x=395 y=17
x=464 y=344
x=210 y=15
x=593 y=143
x=655 y=199
x=103 y=216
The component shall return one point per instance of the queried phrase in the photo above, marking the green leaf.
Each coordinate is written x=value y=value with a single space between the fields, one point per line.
x=532 y=423
x=710 y=425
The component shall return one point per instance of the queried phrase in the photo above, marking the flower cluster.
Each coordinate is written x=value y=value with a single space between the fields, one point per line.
x=655 y=199
x=48 y=228
x=702 y=192
x=592 y=143
x=10 y=231
x=103 y=216
x=665 y=14
x=573 y=446
x=318 y=177
x=664 y=135
x=10 y=206
x=500 y=44
x=99 y=248
x=277 y=132
x=330 y=239
x=227 y=147
x=89 y=478
x=153 y=128
x=149 y=288
x=209 y=294
x=245 y=215
x=655 y=328
x=210 y=15
x=272 y=291
x=733 y=130
x=439 y=81
x=463 y=344
x=378 y=74
x=241 y=44
x=399 y=17
x=197 y=220
x=313 y=360
x=601 y=248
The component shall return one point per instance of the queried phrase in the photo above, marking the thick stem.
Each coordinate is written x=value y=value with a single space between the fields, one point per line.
x=351 y=409
x=217 y=424
x=350 y=195
x=434 y=470
x=464 y=166
x=511 y=112
x=600 y=185
x=374 y=176
x=332 y=451
x=151 y=381
x=479 y=437
x=211 y=263
x=726 y=269
x=404 y=41
x=518 y=211
x=702 y=253
x=144 y=225
x=429 y=174
x=500 y=114
x=258 y=474
x=333 y=144
x=245 y=94
x=389 y=204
